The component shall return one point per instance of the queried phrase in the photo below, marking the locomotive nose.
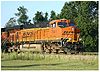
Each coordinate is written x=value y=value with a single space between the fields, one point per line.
x=71 y=33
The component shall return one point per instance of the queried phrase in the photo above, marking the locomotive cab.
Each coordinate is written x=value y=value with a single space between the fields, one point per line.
x=68 y=29
x=68 y=33
x=62 y=23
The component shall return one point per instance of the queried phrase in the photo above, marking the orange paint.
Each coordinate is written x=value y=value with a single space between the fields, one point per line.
x=49 y=33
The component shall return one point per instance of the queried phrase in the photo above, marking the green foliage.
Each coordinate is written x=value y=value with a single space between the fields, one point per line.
x=38 y=17
x=21 y=56
x=46 y=16
x=22 y=17
x=49 y=61
x=58 y=16
x=85 y=14
x=11 y=22
x=53 y=15
x=69 y=11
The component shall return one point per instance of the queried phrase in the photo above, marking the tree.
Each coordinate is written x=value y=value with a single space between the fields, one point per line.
x=58 y=16
x=11 y=22
x=85 y=14
x=53 y=15
x=40 y=20
x=69 y=11
x=22 y=17
x=46 y=17
x=88 y=25
x=38 y=17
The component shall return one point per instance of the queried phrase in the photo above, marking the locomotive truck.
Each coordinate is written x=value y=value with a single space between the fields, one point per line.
x=62 y=36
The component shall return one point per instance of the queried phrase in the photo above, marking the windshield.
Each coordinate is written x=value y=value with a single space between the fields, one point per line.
x=72 y=24
x=62 y=24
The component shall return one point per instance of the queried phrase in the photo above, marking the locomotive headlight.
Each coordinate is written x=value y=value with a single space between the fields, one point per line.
x=70 y=38
x=72 y=29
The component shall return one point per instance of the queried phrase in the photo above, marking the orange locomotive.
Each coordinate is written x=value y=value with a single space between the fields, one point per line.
x=61 y=36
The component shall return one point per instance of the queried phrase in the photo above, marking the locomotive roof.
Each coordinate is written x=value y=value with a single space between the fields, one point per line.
x=59 y=20
x=65 y=20
x=26 y=26
x=35 y=29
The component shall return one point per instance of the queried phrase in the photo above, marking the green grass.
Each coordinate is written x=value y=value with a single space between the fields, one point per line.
x=29 y=61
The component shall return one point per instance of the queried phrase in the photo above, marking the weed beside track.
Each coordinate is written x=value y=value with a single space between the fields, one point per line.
x=33 y=61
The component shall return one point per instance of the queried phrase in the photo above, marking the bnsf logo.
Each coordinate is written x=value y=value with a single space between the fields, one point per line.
x=64 y=33
x=27 y=34
x=67 y=32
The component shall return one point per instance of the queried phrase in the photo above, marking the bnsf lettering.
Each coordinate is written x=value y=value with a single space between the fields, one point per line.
x=64 y=33
x=27 y=34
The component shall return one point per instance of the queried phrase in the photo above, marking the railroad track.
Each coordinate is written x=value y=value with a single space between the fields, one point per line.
x=82 y=53
x=37 y=51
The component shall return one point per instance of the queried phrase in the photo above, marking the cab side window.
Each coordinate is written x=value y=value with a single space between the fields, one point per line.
x=53 y=25
x=72 y=24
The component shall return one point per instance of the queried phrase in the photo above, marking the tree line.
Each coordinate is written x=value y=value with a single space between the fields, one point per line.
x=84 y=13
